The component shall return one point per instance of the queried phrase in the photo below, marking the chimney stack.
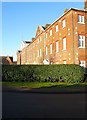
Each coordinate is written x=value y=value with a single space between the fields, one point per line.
x=85 y=5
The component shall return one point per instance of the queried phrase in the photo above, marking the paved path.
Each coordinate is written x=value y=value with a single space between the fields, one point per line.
x=47 y=90
x=21 y=103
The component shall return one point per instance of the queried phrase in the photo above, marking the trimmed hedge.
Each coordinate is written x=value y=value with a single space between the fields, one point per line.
x=43 y=73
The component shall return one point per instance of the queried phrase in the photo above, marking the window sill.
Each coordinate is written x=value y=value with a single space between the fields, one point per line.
x=81 y=47
x=63 y=50
x=81 y=23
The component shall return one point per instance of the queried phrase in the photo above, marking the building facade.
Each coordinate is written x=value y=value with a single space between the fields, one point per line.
x=62 y=42
x=6 y=60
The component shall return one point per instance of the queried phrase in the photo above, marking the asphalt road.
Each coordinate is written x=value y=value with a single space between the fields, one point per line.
x=43 y=105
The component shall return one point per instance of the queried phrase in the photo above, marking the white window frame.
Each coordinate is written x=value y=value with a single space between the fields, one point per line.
x=56 y=28
x=64 y=62
x=40 y=38
x=50 y=48
x=57 y=46
x=46 y=35
x=51 y=32
x=46 y=50
x=40 y=52
x=64 y=43
x=80 y=19
x=64 y=23
x=81 y=41
x=83 y=64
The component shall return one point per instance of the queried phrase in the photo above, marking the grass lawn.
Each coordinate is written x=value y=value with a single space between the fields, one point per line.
x=43 y=84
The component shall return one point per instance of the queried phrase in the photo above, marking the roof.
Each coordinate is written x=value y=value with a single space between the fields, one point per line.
x=6 y=59
x=44 y=27
x=27 y=41
x=41 y=27
x=19 y=51
x=76 y=9
x=47 y=26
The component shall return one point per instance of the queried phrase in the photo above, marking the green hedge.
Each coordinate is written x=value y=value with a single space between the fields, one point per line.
x=54 y=73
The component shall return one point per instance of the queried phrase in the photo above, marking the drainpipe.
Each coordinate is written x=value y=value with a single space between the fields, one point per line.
x=73 y=47
x=43 y=46
x=85 y=8
x=20 y=58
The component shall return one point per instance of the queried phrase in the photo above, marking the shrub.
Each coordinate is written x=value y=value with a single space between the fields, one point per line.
x=17 y=73
x=43 y=73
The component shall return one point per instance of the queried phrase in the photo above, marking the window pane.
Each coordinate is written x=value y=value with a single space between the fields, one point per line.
x=64 y=62
x=56 y=28
x=64 y=44
x=82 y=19
x=40 y=52
x=79 y=18
x=50 y=32
x=51 y=49
x=46 y=35
x=64 y=23
x=79 y=37
x=82 y=63
x=81 y=42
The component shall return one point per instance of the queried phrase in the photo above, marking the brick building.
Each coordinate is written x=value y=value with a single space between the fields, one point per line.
x=62 y=42
x=6 y=60
x=19 y=57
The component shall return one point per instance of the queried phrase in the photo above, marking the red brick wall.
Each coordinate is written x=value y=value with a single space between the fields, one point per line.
x=72 y=55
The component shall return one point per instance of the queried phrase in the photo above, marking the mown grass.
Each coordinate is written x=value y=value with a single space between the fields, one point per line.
x=43 y=84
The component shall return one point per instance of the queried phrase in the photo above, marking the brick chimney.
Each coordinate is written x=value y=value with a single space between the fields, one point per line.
x=33 y=39
x=85 y=5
